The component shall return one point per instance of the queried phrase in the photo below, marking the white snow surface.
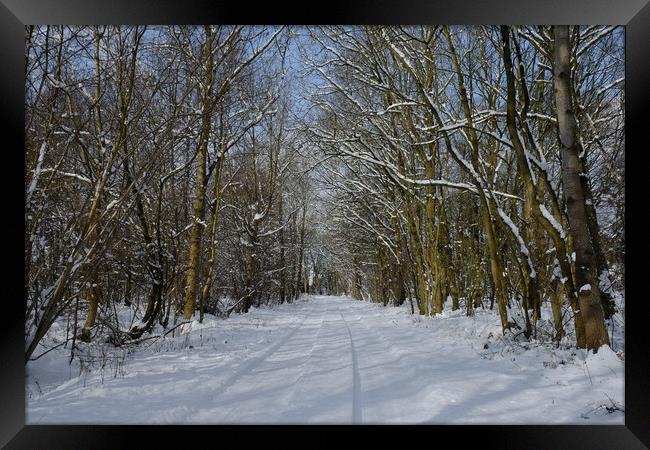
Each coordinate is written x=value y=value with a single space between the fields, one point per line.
x=332 y=360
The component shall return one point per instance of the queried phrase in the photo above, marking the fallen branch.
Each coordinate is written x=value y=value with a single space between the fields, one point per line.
x=48 y=351
x=172 y=329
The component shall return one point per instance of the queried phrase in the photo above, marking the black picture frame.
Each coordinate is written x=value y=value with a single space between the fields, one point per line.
x=14 y=14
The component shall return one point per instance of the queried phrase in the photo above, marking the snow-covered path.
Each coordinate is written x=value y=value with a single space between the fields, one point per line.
x=336 y=360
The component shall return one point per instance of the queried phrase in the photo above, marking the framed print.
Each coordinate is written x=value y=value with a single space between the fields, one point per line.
x=358 y=214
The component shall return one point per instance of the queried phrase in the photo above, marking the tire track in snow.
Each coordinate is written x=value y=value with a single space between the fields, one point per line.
x=305 y=364
x=357 y=413
x=374 y=350
x=379 y=337
x=253 y=363
x=282 y=403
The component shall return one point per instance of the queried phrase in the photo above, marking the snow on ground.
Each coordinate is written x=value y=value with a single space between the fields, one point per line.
x=331 y=360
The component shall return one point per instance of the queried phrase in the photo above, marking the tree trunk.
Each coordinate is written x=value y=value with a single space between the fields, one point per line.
x=199 y=200
x=609 y=307
x=585 y=272
x=487 y=216
x=557 y=290
x=301 y=253
x=209 y=270
x=283 y=263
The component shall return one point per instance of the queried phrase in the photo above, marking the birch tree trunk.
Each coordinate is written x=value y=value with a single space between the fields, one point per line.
x=585 y=272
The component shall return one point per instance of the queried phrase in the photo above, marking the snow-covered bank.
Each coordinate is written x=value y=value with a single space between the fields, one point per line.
x=332 y=360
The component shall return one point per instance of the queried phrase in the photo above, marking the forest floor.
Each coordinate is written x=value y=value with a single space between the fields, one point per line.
x=331 y=360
